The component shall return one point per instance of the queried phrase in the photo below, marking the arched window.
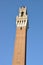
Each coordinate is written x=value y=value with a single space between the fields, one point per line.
x=17 y=22
x=20 y=21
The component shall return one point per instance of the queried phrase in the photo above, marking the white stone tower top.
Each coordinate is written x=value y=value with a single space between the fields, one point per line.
x=21 y=19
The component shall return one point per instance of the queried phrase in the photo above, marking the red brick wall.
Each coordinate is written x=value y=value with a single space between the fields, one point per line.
x=19 y=47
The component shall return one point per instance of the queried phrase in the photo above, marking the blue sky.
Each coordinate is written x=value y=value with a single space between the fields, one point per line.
x=8 y=13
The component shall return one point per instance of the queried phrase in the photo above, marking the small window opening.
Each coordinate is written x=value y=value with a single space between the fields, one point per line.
x=21 y=28
x=20 y=21
x=17 y=21
x=22 y=13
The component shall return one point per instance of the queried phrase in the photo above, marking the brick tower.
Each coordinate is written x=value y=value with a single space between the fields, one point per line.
x=19 y=57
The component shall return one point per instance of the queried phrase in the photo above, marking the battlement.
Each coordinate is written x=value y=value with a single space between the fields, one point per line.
x=21 y=19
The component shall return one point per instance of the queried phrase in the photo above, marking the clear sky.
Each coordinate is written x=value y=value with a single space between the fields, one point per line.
x=8 y=13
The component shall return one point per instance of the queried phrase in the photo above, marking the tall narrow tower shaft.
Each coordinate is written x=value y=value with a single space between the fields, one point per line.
x=19 y=56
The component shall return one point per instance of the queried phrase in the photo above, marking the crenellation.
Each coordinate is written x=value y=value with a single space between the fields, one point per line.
x=21 y=20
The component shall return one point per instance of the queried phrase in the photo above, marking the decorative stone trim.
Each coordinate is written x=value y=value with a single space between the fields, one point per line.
x=21 y=23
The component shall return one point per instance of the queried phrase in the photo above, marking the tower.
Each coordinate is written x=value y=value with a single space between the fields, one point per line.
x=19 y=57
